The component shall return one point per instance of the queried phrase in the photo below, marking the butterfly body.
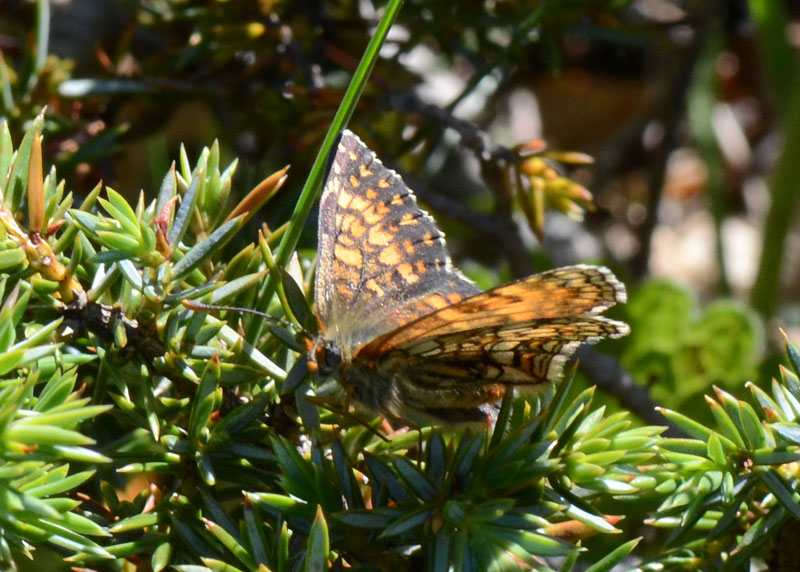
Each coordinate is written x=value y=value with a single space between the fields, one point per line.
x=406 y=334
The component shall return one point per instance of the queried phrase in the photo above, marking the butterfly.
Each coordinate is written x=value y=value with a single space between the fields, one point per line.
x=406 y=334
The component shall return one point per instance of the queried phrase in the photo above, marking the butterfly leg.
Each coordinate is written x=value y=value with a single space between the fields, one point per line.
x=407 y=423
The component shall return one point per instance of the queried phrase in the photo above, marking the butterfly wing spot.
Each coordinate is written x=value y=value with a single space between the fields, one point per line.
x=436 y=301
x=406 y=271
x=375 y=288
x=409 y=219
x=349 y=256
x=352 y=229
x=375 y=214
x=502 y=346
x=343 y=198
x=359 y=204
x=454 y=297
x=378 y=236
x=390 y=255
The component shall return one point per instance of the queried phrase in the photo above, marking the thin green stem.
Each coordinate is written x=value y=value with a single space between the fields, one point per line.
x=783 y=191
x=785 y=80
x=42 y=36
x=313 y=185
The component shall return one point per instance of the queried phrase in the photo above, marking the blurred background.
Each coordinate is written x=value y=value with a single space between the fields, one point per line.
x=690 y=109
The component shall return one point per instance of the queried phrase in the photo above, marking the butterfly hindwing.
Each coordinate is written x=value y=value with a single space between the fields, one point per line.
x=560 y=293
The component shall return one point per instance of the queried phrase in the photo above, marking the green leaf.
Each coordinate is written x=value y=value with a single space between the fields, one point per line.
x=6 y=153
x=202 y=251
x=789 y=404
x=78 y=412
x=318 y=545
x=692 y=428
x=56 y=390
x=414 y=478
x=254 y=537
x=756 y=536
x=593 y=521
x=205 y=469
x=744 y=418
x=614 y=558
x=380 y=473
x=16 y=358
x=205 y=401
x=183 y=217
x=407 y=522
x=231 y=543
x=789 y=431
x=11 y=259
x=580 y=471
x=435 y=464
x=531 y=542
x=782 y=491
x=81 y=454
x=439 y=555
x=793 y=351
x=241 y=417
x=299 y=473
x=345 y=479
x=45 y=435
x=235 y=287
x=14 y=192
x=60 y=485
x=297 y=375
x=161 y=557
x=215 y=565
x=121 y=211
x=775 y=456
x=791 y=381
x=297 y=301
x=715 y=451
x=131 y=274
x=371 y=519
x=167 y=190
x=725 y=423
x=771 y=409
x=287 y=338
x=135 y=522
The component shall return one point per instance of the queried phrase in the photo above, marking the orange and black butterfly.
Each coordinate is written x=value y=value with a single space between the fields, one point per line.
x=406 y=334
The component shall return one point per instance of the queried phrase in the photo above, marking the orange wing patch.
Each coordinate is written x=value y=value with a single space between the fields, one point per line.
x=564 y=292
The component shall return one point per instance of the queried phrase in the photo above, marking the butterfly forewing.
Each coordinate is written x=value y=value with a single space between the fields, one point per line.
x=380 y=255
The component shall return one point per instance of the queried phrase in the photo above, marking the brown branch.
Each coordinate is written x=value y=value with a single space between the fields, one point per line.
x=605 y=372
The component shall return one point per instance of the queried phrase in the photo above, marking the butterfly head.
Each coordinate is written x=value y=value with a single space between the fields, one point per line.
x=326 y=357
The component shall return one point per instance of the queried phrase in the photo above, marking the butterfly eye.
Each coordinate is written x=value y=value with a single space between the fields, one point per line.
x=328 y=359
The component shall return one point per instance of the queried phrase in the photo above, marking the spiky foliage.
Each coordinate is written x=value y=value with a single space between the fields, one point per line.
x=189 y=446
x=746 y=484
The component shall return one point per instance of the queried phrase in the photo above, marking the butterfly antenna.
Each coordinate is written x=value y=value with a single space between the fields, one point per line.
x=201 y=307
